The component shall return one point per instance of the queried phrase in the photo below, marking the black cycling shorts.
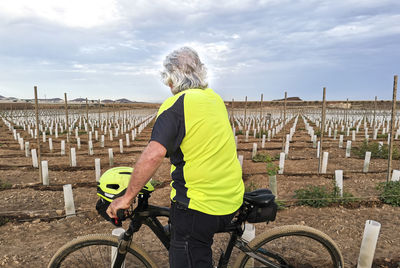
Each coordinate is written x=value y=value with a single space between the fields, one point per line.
x=192 y=234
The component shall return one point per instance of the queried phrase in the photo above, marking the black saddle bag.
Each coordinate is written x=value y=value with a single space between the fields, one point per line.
x=260 y=205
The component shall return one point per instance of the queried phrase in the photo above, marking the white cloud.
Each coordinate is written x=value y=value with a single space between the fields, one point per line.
x=71 y=13
x=96 y=49
x=124 y=42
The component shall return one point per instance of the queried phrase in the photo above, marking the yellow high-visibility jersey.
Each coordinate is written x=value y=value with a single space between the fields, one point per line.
x=194 y=127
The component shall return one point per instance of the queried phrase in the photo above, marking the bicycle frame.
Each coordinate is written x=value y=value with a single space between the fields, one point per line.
x=148 y=215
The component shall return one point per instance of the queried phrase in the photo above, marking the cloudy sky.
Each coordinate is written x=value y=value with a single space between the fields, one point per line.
x=115 y=48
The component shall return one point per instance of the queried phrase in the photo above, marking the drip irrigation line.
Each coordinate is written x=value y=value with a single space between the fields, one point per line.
x=85 y=210
x=352 y=198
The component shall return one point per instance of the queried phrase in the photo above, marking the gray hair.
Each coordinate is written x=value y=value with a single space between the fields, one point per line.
x=184 y=70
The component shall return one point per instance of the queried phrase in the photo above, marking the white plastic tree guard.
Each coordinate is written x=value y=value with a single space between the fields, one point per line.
x=273 y=185
x=127 y=140
x=368 y=244
x=27 y=151
x=367 y=161
x=325 y=156
x=102 y=141
x=116 y=232
x=249 y=232
x=240 y=157
x=111 y=156
x=339 y=181
x=91 y=152
x=97 y=168
x=45 y=172
x=63 y=147
x=395 y=175
x=254 y=152
x=348 y=148
x=287 y=146
x=281 y=162
x=34 y=158
x=51 y=144
x=73 y=157
x=69 y=200
x=121 y=146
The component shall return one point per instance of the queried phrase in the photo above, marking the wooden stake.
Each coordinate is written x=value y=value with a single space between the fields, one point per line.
x=345 y=110
x=87 y=118
x=99 y=111
x=393 y=115
x=261 y=107
x=113 y=107
x=375 y=104
x=284 y=122
x=321 y=137
x=38 y=136
x=245 y=113
x=68 y=139
x=87 y=113
x=233 y=121
x=261 y=115
x=119 y=112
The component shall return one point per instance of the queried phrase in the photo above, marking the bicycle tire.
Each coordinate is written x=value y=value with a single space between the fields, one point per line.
x=273 y=240
x=78 y=253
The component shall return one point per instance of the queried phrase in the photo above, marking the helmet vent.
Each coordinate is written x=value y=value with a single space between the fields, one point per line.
x=125 y=173
x=113 y=186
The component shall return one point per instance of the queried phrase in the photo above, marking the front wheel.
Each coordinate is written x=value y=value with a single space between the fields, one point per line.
x=98 y=251
x=292 y=246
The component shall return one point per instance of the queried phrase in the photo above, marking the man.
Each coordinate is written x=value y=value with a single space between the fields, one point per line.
x=193 y=130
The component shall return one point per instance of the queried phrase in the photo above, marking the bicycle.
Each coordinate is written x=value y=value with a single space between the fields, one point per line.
x=286 y=246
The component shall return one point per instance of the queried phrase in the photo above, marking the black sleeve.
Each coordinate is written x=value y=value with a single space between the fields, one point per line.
x=169 y=128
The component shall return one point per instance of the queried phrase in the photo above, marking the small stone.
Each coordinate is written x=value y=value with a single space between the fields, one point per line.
x=302 y=223
x=59 y=212
x=36 y=221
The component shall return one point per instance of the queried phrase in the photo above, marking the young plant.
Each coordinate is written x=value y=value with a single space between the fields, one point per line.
x=390 y=192
x=320 y=196
x=313 y=196
x=377 y=150
x=250 y=187
x=5 y=185
x=264 y=158
x=272 y=169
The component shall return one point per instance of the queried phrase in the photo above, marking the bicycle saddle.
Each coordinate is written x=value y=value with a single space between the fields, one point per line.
x=260 y=197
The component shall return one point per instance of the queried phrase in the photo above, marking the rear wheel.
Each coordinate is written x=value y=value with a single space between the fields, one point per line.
x=292 y=246
x=98 y=251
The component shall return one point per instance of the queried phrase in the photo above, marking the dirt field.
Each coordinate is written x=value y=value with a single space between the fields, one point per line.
x=36 y=227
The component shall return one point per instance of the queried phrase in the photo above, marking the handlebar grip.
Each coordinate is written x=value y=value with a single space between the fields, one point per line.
x=121 y=214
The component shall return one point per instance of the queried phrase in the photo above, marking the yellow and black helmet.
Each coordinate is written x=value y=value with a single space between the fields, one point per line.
x=113 y=183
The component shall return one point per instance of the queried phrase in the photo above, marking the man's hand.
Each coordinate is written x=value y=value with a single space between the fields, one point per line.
x=148 y=162
x=119 y=203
